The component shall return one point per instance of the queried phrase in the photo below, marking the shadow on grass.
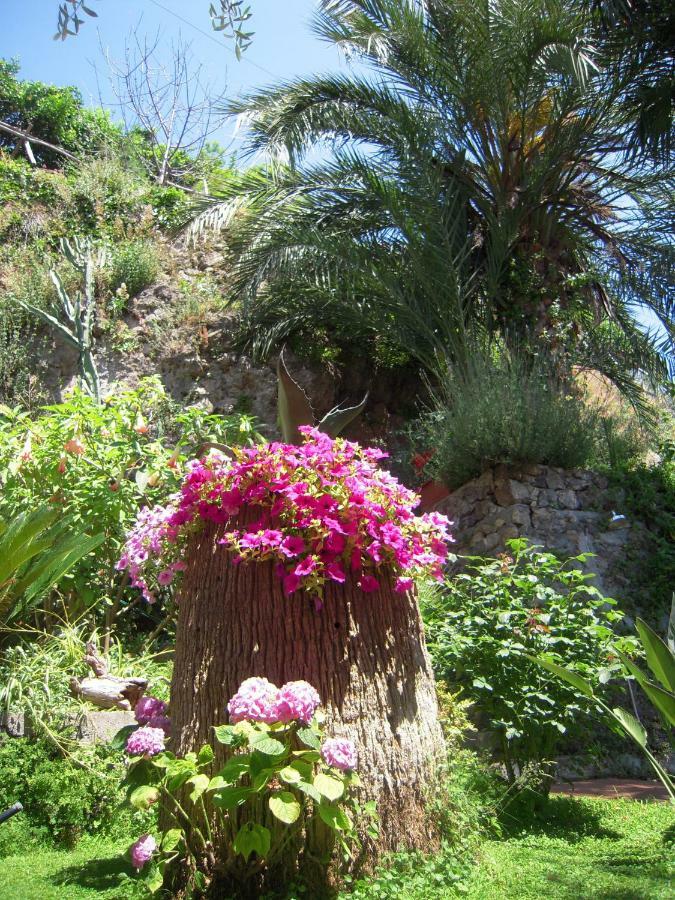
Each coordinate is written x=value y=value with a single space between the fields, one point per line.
x=97 y=874
x=560 y=817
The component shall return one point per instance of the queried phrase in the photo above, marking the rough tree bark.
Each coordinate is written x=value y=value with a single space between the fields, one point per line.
x=364 y=653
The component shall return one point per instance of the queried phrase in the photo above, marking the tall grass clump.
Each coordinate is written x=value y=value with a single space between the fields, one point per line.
x=503 y=409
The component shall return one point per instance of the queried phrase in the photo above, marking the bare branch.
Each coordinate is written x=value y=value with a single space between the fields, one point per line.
x=169 y=103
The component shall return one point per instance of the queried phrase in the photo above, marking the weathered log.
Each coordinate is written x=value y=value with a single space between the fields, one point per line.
x=109 y=692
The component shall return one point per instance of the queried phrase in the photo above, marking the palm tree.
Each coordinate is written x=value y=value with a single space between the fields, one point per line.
x=474 y=175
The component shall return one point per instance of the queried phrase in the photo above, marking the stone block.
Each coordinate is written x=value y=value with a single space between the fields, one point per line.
x=511 y=491
x=101 y=726
x=554 y=480
x=492 y=540
x=15 y=724
x=519 y=514
x=568 y=499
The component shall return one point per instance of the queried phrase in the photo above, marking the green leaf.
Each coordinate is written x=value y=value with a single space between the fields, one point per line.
x=171 y=839
x=285 y=807
x=205 y=755
x=119 y=741
x=659 y=658
x=662 y=700
x=309 y=738
x=261 y=779
x=335 y=817
x=235 y=767
x=309 y=789
x=290 y=775
x=631 y=725
x=225 y=734
x=154 y=878
x=216 y=783
x=268 y=746
x=200 y=783
x=252 y=838
x=231 y=797
x=328 y=786
x=178 y=771
x=570 y=677
x=144 y=796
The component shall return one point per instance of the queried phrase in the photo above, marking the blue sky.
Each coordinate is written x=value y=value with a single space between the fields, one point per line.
x=283 y=45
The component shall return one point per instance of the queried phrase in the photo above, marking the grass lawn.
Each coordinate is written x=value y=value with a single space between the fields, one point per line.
x=576 y=850
x=590 y=849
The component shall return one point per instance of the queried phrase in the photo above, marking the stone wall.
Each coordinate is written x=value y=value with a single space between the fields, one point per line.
x=568 y=512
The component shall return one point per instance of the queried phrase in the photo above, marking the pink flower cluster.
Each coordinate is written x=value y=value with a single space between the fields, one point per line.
x=145 y=741
x=258 y=700
x=327 y=513
x=149 y=708
x=142 y=850
x=339 y=753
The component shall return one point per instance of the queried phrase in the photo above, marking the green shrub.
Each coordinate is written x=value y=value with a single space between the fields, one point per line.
x=135 y=265
x=484 y=623
x=647 y=495
x=100 y=463
x=502 y=410
x=63 y=797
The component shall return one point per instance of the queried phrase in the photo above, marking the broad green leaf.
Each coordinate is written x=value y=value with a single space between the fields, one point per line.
x=308 y=789
x=216 y=783
x=334 y=817
x=309 y=738
x=225 y=734
x=230 y=797
x=235 y=767
x=120 y=739
x=570 y=677
x=252 y=838
x=171 y=839
x=261 y=779
x=285 y=807
x=662 y=700
x=154 y=879
x=290 y=775
x=328 y=786
x=199 y=785
x=631 y=725
x=205 y=755
x=268 y=746
x=144 y=796
x=659 y=658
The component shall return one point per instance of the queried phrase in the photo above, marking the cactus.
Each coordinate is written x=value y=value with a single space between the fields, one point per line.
x=78 y=313
x=295 y=409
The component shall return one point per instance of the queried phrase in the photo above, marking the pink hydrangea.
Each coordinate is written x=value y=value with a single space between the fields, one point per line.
x=256 y=700
x=339 y=753
x=148 y=708
x=163 y=722
x=297 y=701
x=325 y=508
x=142 y=850
x=146 y=741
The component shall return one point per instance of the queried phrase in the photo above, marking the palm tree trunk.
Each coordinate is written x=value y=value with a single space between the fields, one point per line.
x=364 y=653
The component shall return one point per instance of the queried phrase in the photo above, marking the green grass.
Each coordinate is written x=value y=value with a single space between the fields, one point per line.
x=95 y=868
x=573 y=850
x=591 y=849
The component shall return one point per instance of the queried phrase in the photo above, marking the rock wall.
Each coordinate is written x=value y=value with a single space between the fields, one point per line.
x=568 y=512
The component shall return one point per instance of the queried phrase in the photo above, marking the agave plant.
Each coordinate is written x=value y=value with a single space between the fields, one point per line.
x=77 y=330
x=37 y=549
x=658 y=685
x=474 y=175
x=295 y=409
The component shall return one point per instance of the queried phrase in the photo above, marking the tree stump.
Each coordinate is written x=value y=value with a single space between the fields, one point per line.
x=364 y=653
